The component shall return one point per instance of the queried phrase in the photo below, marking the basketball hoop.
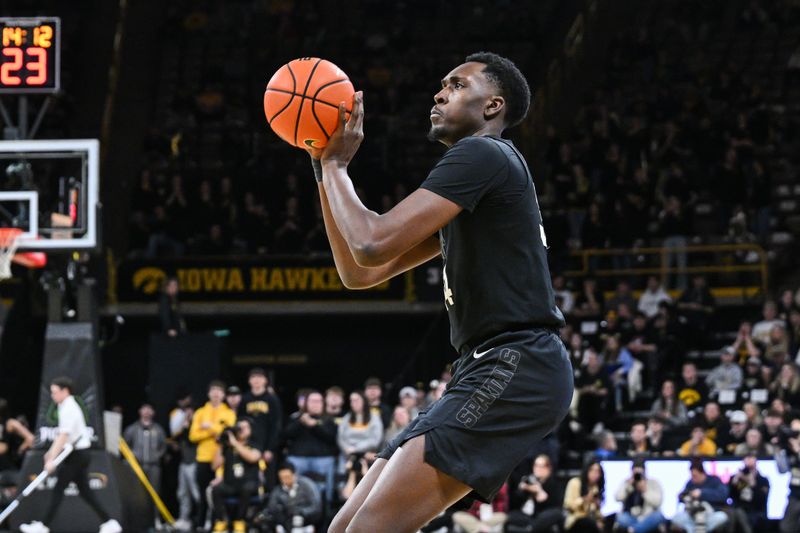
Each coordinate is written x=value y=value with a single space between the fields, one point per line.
x=8 y=247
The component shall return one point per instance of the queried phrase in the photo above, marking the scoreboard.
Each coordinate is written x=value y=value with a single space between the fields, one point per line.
x=30 y=55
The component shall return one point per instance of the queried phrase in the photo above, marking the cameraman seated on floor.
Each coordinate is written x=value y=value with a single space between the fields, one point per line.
x=641 y=501
x=542 y=495
x=294 y=503
x=703 y=499
x=788 y=460
x=749 y=492
x=237 y=466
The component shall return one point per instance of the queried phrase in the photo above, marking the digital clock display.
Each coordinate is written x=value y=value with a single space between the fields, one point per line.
x=30 y=55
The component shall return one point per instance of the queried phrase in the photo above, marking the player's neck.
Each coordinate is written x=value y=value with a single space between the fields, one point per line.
x=489 y=129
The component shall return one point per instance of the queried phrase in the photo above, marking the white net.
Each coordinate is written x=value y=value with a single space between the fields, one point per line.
x=8 y=247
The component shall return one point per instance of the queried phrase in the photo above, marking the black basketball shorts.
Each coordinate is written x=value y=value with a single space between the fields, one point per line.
x=505 y=396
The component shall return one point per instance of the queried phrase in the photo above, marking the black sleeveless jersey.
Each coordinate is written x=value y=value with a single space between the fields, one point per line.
x=495 y=275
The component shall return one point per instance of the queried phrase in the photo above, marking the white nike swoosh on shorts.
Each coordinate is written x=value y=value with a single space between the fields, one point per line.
x=478 y=355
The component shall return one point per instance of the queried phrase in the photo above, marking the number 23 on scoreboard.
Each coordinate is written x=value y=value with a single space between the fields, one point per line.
x=36 y=64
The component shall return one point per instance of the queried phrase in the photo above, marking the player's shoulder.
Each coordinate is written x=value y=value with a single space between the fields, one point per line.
x=485 y=151
x=480 y=144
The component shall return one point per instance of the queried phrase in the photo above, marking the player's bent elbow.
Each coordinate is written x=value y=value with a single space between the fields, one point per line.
x=369 y=255
x=352 y=283
x=352 y=279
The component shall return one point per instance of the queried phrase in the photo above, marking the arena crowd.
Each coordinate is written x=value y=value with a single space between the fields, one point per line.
x=253 y=459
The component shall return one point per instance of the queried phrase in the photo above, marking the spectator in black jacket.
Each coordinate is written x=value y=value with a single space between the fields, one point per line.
x=749 y=491
x=691 y=391
x=261 y=405
x=543 y=498
x=697 y=306
x=172 y=322
x=310 y=437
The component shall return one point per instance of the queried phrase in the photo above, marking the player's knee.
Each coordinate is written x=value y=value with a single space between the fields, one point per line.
x=339 y=524
x=336 y=527
x=359 y=527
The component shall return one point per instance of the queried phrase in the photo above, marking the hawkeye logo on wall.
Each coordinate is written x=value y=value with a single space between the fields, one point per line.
x=149 y=280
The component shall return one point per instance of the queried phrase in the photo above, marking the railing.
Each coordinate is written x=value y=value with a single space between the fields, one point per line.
x=731 y=264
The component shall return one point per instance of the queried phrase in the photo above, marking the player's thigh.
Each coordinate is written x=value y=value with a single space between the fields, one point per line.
x=345 y=515
x=408 y=494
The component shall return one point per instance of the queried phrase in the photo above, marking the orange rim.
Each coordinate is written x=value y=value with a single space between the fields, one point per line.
x=8 y=235
x=31 y=259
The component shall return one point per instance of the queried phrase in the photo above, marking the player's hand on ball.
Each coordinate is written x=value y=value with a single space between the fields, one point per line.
x=344 y=142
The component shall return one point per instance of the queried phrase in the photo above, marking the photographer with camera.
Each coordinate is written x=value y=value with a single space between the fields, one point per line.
x=583 y=499
x=788 y=460
x=641 y=501
x=237 y=469
x=542 y=494
x=355 y=470
x=749 y=491
x=703 y=498
x=294 y=503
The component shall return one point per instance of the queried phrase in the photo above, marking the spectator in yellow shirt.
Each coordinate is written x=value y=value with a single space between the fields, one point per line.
x=698 y=444
x=208 y=423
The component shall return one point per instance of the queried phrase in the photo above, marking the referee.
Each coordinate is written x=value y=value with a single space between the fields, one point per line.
x=75 y=468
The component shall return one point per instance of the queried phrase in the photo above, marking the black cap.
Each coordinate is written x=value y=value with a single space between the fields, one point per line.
x=257 y=371
x=638 y=462
x=233 y=390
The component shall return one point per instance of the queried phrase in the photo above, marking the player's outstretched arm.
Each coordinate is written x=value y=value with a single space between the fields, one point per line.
x=375 y=240
x=355 y=276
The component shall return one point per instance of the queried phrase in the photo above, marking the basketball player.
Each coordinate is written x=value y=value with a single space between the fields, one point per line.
x=513 y=382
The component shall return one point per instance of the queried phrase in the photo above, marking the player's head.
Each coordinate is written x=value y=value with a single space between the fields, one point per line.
x=485 y=93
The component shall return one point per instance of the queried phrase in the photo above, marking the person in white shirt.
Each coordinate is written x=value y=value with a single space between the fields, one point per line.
x=561 y=291
x=770 y=319
x=653 y=295
x=75 y=468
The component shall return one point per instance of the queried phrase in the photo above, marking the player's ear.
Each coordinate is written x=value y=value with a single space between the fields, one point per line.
x=494 y=106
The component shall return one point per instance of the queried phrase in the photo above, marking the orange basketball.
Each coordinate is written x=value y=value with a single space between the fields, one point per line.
x=302 y=101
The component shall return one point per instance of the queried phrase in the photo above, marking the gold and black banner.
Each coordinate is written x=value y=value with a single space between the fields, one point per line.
x=250 y=278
